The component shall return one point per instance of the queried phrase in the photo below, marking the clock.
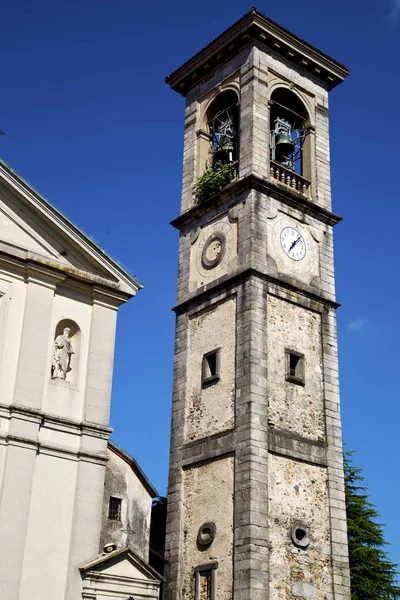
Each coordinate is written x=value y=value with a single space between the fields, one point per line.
x=293 y=243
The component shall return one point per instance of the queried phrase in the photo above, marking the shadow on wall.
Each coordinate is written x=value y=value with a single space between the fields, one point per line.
x=157 y=533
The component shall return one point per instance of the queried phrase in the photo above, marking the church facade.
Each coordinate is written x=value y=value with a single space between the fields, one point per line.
x=59 y=297
x=256 y=505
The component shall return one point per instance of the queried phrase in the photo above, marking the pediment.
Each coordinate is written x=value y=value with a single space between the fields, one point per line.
x=30 y=226
x=122 y=563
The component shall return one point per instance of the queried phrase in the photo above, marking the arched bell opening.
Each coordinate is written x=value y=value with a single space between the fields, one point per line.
x=289 y=137
x=219 y=135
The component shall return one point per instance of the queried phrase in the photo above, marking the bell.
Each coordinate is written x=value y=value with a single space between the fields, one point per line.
x=223 y=154
x=284 y=146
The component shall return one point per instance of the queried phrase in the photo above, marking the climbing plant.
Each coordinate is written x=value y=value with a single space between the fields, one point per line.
x=213 y=181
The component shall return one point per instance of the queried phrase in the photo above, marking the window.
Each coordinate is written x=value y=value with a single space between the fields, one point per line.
x=114 y=509
x=210 y=367
x=294 y=367
x=205 y=576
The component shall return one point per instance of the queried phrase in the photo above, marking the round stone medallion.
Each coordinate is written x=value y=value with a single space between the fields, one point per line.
x=206 y=534
x=213 y=250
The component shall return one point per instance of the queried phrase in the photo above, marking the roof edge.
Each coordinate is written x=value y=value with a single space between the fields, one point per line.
x=255 y=26
x=75 y=229
x=132 y=462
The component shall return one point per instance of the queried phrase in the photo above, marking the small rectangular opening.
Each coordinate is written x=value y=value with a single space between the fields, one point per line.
x=205 y=576
x=114 y=509
x=210 y=367
x=294 y=367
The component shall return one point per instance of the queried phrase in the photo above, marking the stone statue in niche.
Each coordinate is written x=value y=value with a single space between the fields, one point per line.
x=62 y=355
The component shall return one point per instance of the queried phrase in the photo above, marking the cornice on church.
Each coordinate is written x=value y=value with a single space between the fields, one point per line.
x=115 y=276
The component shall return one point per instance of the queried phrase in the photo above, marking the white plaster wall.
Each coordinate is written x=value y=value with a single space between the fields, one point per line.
x=293 y=407
x=86 y=523
x=63 y=398
x=134 y=528
x=298 y=491
x=49 y=529
x=12 y=304
x=211 y=409
x=14 y=515
x=100 y=364
x=208 y=497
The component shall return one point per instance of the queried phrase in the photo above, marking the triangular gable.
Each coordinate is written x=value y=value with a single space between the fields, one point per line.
x=15 y=232
x=123 y=562
x=32 y=228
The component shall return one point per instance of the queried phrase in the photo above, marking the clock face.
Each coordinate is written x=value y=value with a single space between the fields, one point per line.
x=293 y=243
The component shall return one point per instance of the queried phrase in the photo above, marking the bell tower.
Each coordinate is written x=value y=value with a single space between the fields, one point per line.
x=256 y=505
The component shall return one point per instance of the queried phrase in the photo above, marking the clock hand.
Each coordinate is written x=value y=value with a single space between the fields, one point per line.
x=294 y=243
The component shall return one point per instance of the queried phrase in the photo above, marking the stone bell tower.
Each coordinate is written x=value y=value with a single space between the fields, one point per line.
x=256 y=505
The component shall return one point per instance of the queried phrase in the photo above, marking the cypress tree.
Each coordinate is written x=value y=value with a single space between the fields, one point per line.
x=373 y=576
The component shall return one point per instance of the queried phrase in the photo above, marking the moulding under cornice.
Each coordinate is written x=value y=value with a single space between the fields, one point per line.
x=321 y=303
x=280 y=441
x=53 y=449
x=81 y=426
x=266 y=186
x=51 y=274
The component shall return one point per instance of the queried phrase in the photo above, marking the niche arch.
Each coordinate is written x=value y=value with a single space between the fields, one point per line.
x=66 y=347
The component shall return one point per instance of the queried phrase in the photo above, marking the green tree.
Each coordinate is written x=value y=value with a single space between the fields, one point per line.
x=372 y=574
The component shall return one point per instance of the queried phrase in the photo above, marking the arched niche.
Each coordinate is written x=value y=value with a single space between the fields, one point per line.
x=218 y=136
x=290 y=139
x=66 y=352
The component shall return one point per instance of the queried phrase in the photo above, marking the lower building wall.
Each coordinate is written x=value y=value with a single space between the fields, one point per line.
x=208 y=498
x=49 y=529
x=298 y=498
x=132 y=529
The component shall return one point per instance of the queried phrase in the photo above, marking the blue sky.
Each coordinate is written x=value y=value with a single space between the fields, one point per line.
x=90 y=122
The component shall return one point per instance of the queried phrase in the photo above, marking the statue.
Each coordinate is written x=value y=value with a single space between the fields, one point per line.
x=62 y=355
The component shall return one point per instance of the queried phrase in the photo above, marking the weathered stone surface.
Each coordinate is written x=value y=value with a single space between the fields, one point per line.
x=210 y=409
x=208 y=496
x=298 y=492
x=294 y=407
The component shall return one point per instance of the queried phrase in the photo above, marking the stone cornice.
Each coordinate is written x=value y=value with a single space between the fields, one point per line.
x=86 y=427
x=254 y=27
x=31 y=267
x=280 y=442
x=52 y=218
x=267 y=186
x=299 y=292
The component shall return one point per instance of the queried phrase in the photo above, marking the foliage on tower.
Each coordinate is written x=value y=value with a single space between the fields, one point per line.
x=372 y=574
x=213 y=181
